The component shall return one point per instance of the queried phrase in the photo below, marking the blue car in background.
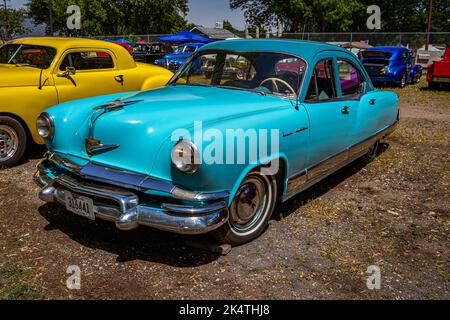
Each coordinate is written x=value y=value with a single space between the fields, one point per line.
x=175 y=60
x=393 y=65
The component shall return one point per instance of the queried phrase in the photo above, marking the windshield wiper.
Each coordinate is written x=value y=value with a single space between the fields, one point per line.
x=196 y=84
x=26 y=65
x=243 y=89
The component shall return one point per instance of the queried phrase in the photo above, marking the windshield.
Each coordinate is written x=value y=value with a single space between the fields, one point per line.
x=376 y=54
x=262 y=72
x=179 y=49
x=33 y=56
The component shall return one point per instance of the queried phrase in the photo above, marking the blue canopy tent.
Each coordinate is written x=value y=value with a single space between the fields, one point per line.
x=185 y=36
x=123 y=41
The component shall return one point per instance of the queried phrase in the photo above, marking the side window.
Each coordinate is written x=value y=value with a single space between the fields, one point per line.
x=87 y=60
x=350 y=78
x=190 y=49
x=322 y=86
x=236 y=68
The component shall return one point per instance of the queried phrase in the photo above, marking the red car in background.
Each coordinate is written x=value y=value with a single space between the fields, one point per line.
x=439 y=72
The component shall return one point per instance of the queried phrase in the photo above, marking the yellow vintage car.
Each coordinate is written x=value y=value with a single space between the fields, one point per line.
x=37 y=73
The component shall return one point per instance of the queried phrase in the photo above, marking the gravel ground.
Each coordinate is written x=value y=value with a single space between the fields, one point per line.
x=392 y=213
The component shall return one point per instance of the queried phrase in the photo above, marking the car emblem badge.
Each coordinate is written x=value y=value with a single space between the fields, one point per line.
x=94 y=146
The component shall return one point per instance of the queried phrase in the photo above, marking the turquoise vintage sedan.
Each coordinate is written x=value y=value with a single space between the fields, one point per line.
x=215 y=149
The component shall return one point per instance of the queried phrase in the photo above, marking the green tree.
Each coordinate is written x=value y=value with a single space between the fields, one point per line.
x=12 y=21
x=228 y=26
x=345 y=15
x=113 y=17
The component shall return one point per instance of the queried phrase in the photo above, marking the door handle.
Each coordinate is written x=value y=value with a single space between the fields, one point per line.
x=119 y=79
x=372 y=102
x=345 y=110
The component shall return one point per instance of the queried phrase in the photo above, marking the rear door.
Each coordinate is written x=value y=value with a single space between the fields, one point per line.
x=330 y=118
x=96 y=74
x=351 y=88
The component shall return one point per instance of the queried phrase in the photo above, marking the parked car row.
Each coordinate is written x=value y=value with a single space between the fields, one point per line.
x=38 y=73
x=385 y=65
x=393 y=65
x=438 y=75
x=134 y=156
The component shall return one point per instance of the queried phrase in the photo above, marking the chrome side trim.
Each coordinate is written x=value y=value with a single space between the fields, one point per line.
x=317 y=172
x=297 y=181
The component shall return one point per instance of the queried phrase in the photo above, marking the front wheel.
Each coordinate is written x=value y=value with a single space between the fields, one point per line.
x=250 y=211
x=13 y=141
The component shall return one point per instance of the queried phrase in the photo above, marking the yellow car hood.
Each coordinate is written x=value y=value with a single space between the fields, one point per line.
x=12 y=76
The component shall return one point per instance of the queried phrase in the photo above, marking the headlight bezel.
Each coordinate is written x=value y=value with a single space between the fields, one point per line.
x=184 y=167
x=47 y=124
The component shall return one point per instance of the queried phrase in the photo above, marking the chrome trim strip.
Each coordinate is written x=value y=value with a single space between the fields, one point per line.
x=194 y=210
x=317 y=172
x=298 y=180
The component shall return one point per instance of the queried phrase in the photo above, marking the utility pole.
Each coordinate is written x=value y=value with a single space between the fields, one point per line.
x=6 y=26
x=430 y=13
x=50 y=11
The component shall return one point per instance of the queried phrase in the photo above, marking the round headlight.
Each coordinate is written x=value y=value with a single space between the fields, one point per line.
x=45 y=126
x=185 y=157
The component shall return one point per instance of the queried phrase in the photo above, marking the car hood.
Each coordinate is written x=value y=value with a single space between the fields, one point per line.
x=142 y=127
x=12 y=76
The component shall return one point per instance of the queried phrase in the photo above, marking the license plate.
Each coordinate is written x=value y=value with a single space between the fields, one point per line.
x=80 y=205
x=440 y=79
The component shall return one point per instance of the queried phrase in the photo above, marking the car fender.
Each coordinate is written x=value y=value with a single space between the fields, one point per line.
x=27 y=103
x=398 y=71
x=279 y=161
x=157 y=81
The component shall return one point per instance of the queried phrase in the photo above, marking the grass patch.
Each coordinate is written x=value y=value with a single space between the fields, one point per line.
x=17 y=283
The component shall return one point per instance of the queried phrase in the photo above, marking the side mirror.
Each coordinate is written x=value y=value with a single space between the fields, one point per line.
x=70 y=71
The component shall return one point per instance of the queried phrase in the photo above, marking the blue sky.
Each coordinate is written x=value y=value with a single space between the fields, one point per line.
x=203 y=12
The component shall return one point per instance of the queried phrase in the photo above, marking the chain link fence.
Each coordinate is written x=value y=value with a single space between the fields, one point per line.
x=411 y=39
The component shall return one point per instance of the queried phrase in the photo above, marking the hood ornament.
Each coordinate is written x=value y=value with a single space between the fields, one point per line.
x=94 y=146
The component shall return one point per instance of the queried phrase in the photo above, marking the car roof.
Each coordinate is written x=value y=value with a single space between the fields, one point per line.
x=64 y=42
x=302 y=48
x=192 y=44
x=124 y=59
x=388 y=49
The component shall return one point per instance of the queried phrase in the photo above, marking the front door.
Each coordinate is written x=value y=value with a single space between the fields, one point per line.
x=92 y=73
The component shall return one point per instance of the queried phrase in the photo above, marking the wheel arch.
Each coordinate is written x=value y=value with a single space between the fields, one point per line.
x=22 y=123
x=280 y=176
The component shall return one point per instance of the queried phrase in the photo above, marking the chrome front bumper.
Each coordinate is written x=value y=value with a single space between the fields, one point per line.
x=178 y=211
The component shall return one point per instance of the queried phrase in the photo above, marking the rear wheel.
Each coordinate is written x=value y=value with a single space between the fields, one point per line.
x=250 y=210
x=419 y=77
x=13 y=141
x=372 y=153
x=402 y=83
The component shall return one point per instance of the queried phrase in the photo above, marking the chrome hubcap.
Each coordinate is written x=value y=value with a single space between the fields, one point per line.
x=9 y=142
x=249 y=204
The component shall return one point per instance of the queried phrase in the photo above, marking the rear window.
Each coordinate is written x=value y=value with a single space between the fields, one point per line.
x=88 y=60
x=376 y=54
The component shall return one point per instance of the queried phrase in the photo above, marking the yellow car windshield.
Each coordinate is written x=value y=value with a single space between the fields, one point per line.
x=29 y=55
